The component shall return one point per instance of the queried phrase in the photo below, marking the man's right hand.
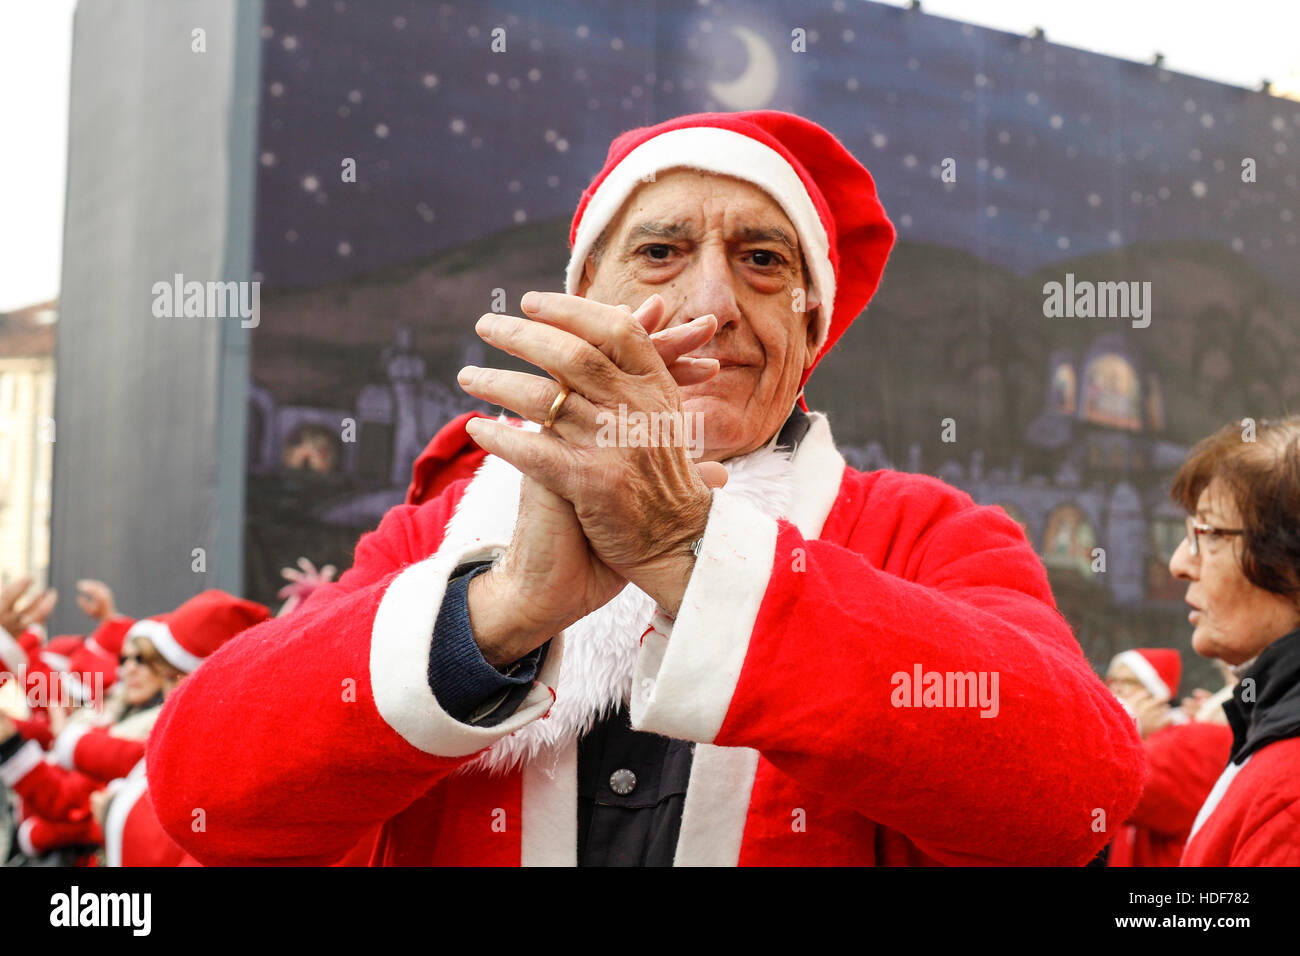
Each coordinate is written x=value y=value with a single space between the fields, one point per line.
x=549 y=577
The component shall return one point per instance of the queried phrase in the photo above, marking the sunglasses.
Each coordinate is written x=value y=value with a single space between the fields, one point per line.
x=140 y=659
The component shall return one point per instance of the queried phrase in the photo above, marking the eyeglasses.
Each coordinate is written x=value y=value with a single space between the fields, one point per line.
x=1195 y=529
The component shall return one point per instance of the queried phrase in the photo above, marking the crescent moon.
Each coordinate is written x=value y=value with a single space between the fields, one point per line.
x=755 y=86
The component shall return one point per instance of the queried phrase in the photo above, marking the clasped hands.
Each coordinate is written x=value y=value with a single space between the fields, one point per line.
x=592 y=515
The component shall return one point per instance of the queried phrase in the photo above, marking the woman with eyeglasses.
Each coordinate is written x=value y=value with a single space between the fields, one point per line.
x=1241 y=562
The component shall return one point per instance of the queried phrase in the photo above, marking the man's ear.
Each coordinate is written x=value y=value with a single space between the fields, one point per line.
x=588 y=276
x=813 y=311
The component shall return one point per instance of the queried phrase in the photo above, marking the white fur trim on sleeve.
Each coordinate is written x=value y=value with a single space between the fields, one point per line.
x=684 y=682
x=64 y=750
x=55 y=662
x=28 y=758
x=12 y=656
x=400 y=643
x=30 y=850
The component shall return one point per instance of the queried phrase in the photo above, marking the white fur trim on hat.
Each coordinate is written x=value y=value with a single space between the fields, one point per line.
x=727 y=153
x=1142 y=669
x=165 y=643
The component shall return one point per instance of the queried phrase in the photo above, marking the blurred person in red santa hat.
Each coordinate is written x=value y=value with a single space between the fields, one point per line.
x=98 y=748
x=1184 y=758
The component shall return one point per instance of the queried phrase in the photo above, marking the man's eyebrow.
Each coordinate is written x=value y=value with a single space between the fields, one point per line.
x=660 y=230
x=768 y=234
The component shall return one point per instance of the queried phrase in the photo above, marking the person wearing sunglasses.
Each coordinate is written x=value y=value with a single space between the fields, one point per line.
x=1241 y=561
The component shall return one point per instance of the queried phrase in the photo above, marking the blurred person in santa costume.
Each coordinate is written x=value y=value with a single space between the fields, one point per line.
x=1184 y=758
x=53 y=678
x=599 y=648
x=1241 y=561
x=99 y=748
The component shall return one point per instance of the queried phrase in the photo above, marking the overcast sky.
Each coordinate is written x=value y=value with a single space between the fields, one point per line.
x=1238 y=43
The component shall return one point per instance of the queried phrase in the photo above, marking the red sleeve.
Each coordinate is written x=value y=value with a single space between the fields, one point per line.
x=36 y=728
x=54 y=793
x=805 y=650
x=100 y=755
x=1183 y=762
x=303 y=735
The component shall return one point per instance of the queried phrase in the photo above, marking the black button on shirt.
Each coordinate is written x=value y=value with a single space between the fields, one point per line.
x=639 y=827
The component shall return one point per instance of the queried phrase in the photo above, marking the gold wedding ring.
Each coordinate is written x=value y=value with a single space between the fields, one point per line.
x=555 y=406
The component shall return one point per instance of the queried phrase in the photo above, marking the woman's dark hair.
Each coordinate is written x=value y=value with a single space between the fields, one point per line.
x=1259 y=465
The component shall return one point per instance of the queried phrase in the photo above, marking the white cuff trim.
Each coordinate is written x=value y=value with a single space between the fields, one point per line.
x=12 y=657
x=685 y=680
x=401 y=640
x=28 y=758
x=64 y=750
x=55 y=662
x=25 y=843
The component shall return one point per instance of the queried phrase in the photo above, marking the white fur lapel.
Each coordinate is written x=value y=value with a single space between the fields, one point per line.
x=600 y=650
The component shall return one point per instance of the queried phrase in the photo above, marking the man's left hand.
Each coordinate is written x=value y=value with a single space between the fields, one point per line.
x=640 y=507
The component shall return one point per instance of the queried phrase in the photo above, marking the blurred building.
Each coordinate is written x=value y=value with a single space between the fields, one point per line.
x=27 y=437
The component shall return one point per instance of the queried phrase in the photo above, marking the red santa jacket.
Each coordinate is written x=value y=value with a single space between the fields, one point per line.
x=81 y=760
x=132 y=834
x=97 y=752
x=48 y=790
x=1183 y=761
x=1252 y=816
x=38 y=836
x=785 y=664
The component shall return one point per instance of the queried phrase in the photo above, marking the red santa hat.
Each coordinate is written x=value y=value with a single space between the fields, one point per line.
x=89 y=673
x=56 y=652
x=829 y=197
x=1158 y=668
x=108 y=637
x=187 y=635
x=98 y=654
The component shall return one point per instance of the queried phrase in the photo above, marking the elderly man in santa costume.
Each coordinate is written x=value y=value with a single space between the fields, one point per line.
x=596 y=651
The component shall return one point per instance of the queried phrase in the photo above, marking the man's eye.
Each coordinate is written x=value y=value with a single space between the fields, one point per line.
x=659 y=251
x=765 y=257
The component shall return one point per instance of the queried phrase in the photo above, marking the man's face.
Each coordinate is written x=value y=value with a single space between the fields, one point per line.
x=1125 y=684
x=713 y=244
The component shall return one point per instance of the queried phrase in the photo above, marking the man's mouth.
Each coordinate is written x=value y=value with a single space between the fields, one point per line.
x=724 y=361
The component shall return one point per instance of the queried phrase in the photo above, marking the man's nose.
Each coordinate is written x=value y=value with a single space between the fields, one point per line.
x=1182 y=564
x=712 y=288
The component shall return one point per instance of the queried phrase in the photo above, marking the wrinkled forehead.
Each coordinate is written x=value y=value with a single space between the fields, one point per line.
x=683 y=198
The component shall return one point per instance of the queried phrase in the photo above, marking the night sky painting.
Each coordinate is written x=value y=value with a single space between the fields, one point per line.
x=435 y=120
x=469 y=163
